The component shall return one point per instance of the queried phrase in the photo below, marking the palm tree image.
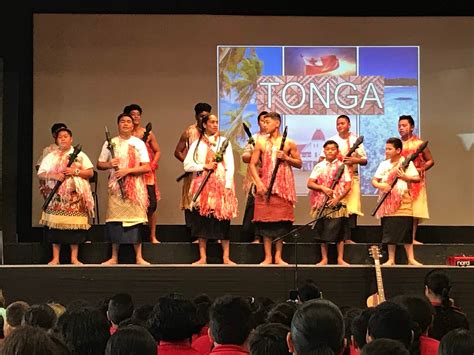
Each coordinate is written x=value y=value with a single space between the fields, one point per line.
x=238 y=77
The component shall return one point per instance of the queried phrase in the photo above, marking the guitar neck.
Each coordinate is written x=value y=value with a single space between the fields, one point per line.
x=378 y=276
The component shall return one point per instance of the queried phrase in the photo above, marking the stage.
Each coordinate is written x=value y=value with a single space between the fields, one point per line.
x=26 y=276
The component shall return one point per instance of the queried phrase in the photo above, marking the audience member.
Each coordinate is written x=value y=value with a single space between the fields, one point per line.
x=84 y=330
x=230 y=318
x=359 y=329
x=349 y=314
x=202 y=303
x=421 y=313
x=282 y=313
x=40 y=315
x=172 y=323
x=14 y=316
x=447 y=316
x=317 y=328
x=120 y=308
x=268 y=339
x=131 y=340
x=392 y=321
x=27 y=340
x=385 y=346
x=309 y=291
x=457 y=342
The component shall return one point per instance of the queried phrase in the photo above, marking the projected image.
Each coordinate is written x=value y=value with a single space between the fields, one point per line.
x=239 y=69
x=399 y=67
x=310 y=87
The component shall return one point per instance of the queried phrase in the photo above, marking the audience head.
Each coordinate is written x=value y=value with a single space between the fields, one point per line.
x=309 y=291
x=78 y=304
x=84 y=330
x=282 y=313
x=437 y=287
x=131 y=340
x=230 y=318
x=392 y=321
x=259 y=306
x=457 y=342
x=317 y=327
x=349 y=315
x=359 y=327
x=269 y=338
x=40 y=315
x=120 y=308
x=14 y=316
x=173 y=319
x=141 y=315
x=202 y=303
x=385 y=346
x=421 y=311
x=27 y=340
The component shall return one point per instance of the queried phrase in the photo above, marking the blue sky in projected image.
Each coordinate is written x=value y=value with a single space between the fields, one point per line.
x=390 y=62
x=271 y=57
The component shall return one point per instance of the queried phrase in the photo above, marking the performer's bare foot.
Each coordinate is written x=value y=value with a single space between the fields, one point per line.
x=389 y=263
x=76 y=262
x=322 y=262
x=416 y=242
x=342 y=262
x=200 y=262
x=228 y=262
x=142 y=261
x=111 y=261
x=266 y=261
x=349 y=242
x=154 y=241
x=54 y=262
x=280 y=262
x=256 y=241
x=414 y=262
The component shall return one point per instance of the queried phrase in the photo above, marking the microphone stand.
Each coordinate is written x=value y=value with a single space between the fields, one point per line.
x=294 y=232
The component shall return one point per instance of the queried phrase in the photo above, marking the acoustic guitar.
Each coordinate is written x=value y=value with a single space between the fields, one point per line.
x=378 y=297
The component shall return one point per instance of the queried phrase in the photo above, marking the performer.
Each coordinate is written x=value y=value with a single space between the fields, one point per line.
x=345 y=140
x=396 y=211
x=275 y=217
x=248 y=227
x=66 y=216
x=53 y=146
x=190 y=135
x=125 y=213
x=217 y=203
x=135 y=111
x=423 y=162
x=46 y=150
x=334 y=224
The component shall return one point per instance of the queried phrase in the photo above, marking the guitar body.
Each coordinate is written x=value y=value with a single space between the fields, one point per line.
x=373 y=300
